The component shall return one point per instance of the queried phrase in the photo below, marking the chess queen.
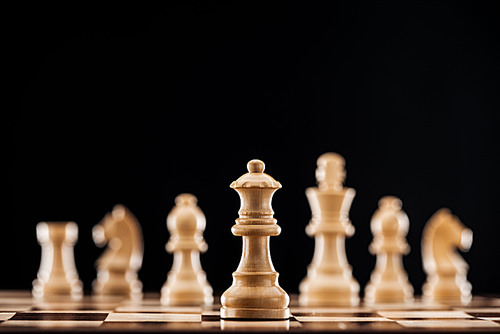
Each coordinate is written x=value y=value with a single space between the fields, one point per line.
x=329 y=280
x=255 y=292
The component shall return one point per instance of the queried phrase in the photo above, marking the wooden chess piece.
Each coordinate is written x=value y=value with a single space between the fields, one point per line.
x=329 y=280
x=117 y=267
x=186 y=283
x=389 y=281
x=446 y=270
x=255 y=292
x=57 y=278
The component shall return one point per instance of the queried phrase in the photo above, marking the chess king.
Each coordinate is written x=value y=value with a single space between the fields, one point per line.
x=329 y=280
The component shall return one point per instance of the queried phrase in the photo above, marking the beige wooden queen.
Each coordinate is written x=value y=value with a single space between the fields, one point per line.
x=255 y=292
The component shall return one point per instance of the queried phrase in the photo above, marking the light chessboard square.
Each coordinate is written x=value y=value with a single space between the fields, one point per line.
x=158 y=309
x=460 y=323
x=153 y=317
x=424 y=314
x=51 y=323
x=6 y=315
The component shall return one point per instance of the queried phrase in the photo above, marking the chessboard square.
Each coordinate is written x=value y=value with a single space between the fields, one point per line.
x=71 y=306
x=364 y=326
x=153 y=317
x=71 y=311
x=330 y=310
x=210 y=316
x=339 y=319
x=155 y=327
x=158 y=309
x=425 y=314
x=6 y=315
x=59 y=316
x=211 y=313
x=15 y=308
x=334 y=314
x=50 y=323
x=415 y=306
x=458 y=323
x=484 y=312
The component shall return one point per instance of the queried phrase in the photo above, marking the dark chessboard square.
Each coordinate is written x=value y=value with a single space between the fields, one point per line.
x=337 y=314
x=41 y=316
x=210 y=317
x=352 y=326
x=485 y=314
x=150 y=326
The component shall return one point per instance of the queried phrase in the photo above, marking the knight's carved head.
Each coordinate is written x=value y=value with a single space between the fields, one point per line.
x=451 y=228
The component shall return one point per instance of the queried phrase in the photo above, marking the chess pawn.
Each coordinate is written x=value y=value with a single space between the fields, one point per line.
x=329 y=280
x=117 y=267
x=389 y=281
x=186 y=283
x=446 y=270
x=255 y=292
x=57 y=277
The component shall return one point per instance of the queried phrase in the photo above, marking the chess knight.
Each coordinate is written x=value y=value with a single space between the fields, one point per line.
x=118 y=265
x=446 y=270
x=329 y=280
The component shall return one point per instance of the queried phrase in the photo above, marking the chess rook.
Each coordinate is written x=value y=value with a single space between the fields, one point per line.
x=255 y=292
x=329 y=280
x=57 y=277
x=446 y=270
x=389 y=281
x=118 y=265
x=186 y=283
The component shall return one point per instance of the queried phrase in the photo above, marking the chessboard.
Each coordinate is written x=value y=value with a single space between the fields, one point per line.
x=19 y=313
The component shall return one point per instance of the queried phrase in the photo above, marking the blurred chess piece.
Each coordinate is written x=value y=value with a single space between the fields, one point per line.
x=446 y=270
x=389 y=281
x=118 y=265
x=329 y=280
x=186 y=283
x=255 y=292
x=57 y=278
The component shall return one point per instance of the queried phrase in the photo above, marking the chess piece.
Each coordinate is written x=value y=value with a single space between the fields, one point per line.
x=329 y=280
x=255 y=292
x=446 y=270
x=57 y=278
x=117 y=267
x=186 y=283
x=389 y=281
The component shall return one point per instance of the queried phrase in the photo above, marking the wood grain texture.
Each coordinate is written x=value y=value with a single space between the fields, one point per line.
x=186 y=283
x=389 y=281
x=117 y=267
x=329 y=280
x=57 y=276
x=255 y=292
x=446 y=270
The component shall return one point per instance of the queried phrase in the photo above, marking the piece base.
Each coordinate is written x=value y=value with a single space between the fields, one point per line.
x=254 y=313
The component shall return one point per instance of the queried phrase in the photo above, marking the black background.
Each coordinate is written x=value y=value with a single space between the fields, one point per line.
x=135 y=104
